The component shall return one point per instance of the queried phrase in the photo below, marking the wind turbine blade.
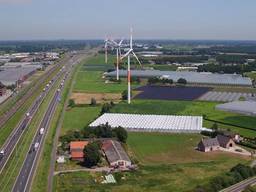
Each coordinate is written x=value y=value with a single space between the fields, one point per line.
x=126 y=54
x=137 y=58
x=120 y=43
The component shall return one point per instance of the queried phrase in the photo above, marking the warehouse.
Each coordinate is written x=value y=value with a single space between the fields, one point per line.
x=11 y=76
x=241 y=107
x=191 y=77
x=152 y=123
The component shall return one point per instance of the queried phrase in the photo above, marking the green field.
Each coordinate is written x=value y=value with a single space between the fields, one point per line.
x=92 y=82
x=78 y=117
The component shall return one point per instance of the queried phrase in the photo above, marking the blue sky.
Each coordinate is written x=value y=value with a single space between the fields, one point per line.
x=94 y=19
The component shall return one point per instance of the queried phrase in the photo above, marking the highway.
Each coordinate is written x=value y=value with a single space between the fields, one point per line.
x=8 y=114
x=25 y=177
x=16 y=134
x=239 y=187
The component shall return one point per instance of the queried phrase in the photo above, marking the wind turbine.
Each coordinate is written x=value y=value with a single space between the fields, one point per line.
x=117 y=46
x=107 y=42
x=128 y=54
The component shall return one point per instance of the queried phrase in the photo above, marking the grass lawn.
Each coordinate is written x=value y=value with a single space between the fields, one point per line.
x=78 y=117
x=185 y=108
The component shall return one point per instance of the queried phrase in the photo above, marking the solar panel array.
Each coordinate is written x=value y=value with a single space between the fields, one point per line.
x=154 y=123
x=242 y=107
x=223 y=96
x=191 y=77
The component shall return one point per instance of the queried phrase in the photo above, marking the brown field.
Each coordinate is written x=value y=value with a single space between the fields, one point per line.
x=85 y=98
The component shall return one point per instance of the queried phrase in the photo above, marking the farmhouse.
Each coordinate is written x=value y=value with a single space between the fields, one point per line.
x=152 y=123
x=76 y=150
x=115 y=154
x=214 y=144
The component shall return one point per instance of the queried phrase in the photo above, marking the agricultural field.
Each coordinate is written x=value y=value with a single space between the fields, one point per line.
x=171 y=93
x=78 y=117
x=186 y=108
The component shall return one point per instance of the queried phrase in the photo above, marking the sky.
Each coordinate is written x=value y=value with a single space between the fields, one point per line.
x=150 y=19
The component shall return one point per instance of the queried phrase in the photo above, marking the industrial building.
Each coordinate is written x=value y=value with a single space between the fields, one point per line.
x=191 y=77
x=241 y=107
x=152 y=123
x=12 y=76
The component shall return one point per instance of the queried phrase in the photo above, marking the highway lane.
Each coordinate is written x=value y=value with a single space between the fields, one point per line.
x=16 y=134
x=23 y=181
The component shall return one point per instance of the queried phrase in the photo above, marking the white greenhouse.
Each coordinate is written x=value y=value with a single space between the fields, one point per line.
x=152 y=123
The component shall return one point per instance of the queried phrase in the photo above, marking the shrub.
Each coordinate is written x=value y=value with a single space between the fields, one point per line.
x=71 y=103
x=93 y=102
x=182 y=81
x=121 y=134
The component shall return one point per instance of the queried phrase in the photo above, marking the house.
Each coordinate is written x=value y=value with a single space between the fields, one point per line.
x=225 y=142
x=115 y=154
x=214 y=144
x=77 y=150
x=207 y=145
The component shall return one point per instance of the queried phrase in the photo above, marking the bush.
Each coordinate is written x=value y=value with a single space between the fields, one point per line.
x=182 y=81
x=93 y=102
x=106 y=108
x=71 y=103
x=121 y=134
x=125 y=95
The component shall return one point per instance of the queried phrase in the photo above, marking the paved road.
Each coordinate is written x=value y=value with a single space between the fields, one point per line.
x=16 y=134
x=24 y=179
x=240 y=186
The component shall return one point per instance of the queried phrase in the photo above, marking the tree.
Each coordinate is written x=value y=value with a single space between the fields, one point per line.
x=105 y=108
x=92 y=154
x=124 y=95
x=215 y=126
x=71 y=103
x=121 y=134
x=182 y=81
x=93 y=102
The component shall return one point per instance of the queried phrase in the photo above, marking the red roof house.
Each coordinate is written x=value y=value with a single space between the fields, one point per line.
x=76 y=150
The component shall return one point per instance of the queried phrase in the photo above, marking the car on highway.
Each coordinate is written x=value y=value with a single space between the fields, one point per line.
x=41 y=132
x=28 y=114
x=2 y=153
x=36 y=146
